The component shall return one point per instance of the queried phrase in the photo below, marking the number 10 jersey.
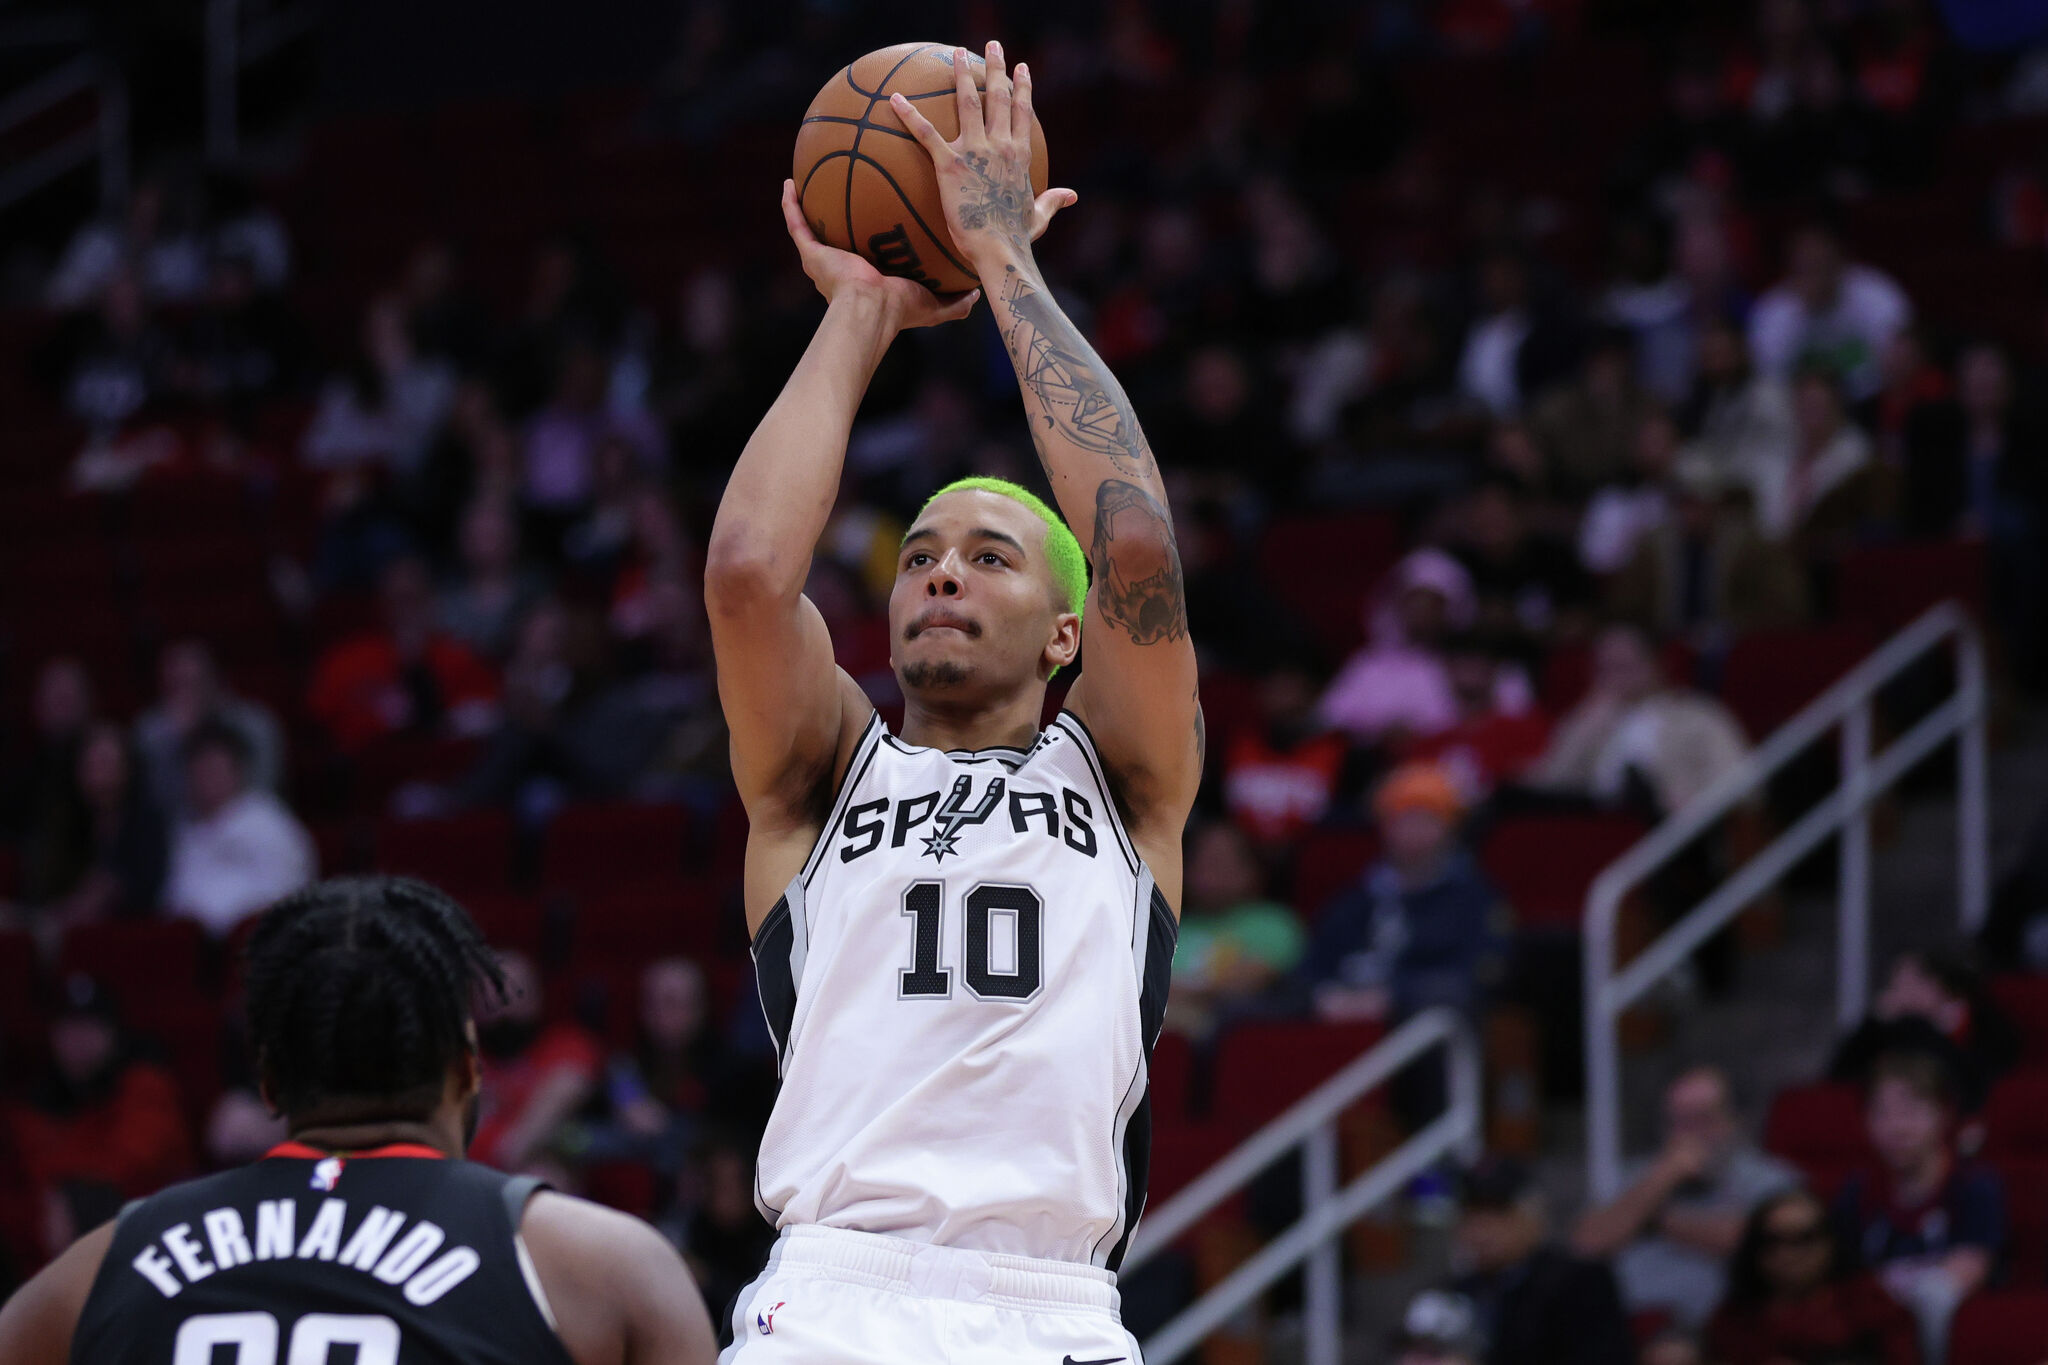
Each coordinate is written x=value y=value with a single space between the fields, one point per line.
x=965 y=982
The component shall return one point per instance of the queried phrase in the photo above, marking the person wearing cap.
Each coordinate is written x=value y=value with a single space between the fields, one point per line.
x=1422 y=926
x=1534 y=1302
x=102 y=1127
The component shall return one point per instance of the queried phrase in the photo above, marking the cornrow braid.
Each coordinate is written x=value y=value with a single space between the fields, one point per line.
x=360 y=989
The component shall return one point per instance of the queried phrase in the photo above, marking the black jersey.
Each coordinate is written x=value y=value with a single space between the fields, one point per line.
x=392 y=1257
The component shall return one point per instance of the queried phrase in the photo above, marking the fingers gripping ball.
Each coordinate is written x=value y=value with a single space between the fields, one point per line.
x=864 y=182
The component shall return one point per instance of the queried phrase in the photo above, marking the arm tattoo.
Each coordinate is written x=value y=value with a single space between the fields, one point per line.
x=1201 y=733
x=989 y=203
x=1137 y=566
x=1078 y=398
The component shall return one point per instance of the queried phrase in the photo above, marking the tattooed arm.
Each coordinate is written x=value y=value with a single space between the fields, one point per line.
x=1138 y=689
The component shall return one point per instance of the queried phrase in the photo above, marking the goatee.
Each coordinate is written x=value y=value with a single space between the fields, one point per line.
x=928 y=676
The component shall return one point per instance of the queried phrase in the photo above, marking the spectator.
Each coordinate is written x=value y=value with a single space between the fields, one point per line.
x=104 y=850
x=1828 y=311
x=1627 y=509
x=1737 y=418
x=492 y=590
x=407 y=677
x=60 y=713
x=535 y=1075
x=191 y=693
x=1438 y=1328
x=1527 y=587
x=1235 y=942
x=1931 y=1225
x=1937 y=1003
x=168 y=263
x=1281 y=775
x=112 y=364
x=562 y=439
x=718 y=1229
x=1795 y=1296
x=1397 y=684
x=1706 y=571
x=565 y=730
x=655 y=1096
x=1635 y=739
x=103 y=1127
x=1422 y=926
x=1827 y=490
x=1540 y=1304
x=1672 y=1229
x=1588 y=428
x=241 y=848
x=1490 y=745
x=1512 y=351
x=243 y=347
x=388 y=406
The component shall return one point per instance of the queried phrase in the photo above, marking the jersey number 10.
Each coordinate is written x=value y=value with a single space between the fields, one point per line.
x=986 y=906
x=314 y=1337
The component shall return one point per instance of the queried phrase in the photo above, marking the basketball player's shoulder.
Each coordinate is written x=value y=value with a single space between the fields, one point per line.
x=611 y=1281
x=39 y=1321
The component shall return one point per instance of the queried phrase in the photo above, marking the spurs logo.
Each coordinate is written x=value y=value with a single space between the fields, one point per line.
x=954 y=816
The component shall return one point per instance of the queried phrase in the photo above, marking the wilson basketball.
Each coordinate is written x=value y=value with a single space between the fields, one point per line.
x=866 y=185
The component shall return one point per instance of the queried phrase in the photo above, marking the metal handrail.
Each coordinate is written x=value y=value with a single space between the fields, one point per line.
x=1311 y=1124
x=234 y=44
x=105 y=140
x=1864 y=777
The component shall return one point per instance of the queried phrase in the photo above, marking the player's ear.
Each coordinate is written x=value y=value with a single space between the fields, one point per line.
x=469 y=1075
x=1065 y=645
x=264 y=1091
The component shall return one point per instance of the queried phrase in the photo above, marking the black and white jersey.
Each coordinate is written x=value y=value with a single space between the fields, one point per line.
x=392 y=1257
x=965 y=982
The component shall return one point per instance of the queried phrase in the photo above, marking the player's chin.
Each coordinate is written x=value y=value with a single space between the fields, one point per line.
x=934 y=674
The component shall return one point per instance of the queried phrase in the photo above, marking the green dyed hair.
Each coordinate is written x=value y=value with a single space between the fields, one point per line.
x=1062 y=550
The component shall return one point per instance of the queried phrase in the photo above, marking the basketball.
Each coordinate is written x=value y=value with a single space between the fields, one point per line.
x=864 y=182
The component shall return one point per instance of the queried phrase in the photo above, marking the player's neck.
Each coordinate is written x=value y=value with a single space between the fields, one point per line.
x=1012 y=722
x=364 y=1137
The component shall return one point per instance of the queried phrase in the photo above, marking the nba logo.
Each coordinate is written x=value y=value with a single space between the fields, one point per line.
x=766 y=1321
x=327 y=1175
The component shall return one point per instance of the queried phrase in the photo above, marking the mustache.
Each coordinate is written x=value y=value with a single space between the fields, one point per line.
x=939 y=616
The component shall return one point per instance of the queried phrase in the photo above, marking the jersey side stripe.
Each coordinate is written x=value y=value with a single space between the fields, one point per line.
x=1077 y=730
x=856 y=769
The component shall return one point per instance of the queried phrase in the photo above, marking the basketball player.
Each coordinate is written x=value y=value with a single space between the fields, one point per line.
x=365 y=1237
x=962 y=931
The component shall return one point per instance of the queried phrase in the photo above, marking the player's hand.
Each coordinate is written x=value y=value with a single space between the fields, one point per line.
x=985 y=173
x=841 y=274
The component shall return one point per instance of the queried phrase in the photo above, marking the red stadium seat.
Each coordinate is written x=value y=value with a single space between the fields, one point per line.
x=1543 y=864
x=189 y=1039
x=614 y=844
x=18 y=978
x=1771 y=674
x=469 y=852
x=1328 y=861
x=654 y=919
x=2026 y=1219
x=2004 y=1327
x=507 y=919
x=1182 y=1151
x=624 y=1185
x=2016 y=1116
x=2024 y=998
x=1886 y=586
x=1172 y=1072
x=1819 y=1128
x=145 y=963
x=1261 y=1068
x=1325 y=566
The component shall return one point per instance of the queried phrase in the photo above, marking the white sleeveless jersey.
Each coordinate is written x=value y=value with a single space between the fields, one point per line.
x=965 y=983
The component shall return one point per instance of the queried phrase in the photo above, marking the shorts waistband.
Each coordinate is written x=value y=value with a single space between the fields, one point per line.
x=927 y=1271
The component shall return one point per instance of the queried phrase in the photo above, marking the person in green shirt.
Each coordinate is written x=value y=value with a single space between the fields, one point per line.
x=1235 y=942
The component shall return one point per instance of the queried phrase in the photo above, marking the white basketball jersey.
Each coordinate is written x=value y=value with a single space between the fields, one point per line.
x=965 y=983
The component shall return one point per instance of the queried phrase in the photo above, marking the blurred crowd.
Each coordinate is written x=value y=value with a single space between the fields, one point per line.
x=1477 y=485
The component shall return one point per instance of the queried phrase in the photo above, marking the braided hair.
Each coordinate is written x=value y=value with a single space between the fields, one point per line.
x=359 y=991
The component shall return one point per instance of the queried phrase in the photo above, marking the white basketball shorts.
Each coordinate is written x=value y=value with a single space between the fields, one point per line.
x=831 y=1297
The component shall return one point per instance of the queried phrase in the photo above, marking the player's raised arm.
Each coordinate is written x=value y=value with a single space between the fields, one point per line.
x=793 y=715
x=1137 y=692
